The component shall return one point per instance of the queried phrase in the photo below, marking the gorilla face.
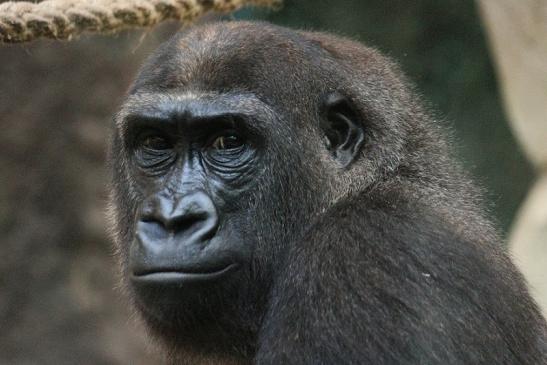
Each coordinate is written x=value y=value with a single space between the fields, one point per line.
x=198 y=167
x=192 y=160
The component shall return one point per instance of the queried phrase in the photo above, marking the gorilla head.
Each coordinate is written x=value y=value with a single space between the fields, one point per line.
x=279 y=196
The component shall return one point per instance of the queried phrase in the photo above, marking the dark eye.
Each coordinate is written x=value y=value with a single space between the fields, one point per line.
x=154 y=153
x=227 y=142
x=228 y=154
x=156 y=143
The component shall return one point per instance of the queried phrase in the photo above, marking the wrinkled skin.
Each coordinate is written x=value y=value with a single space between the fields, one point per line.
x=280 y=197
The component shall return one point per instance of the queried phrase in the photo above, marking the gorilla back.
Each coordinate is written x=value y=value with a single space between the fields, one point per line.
x=281 y=197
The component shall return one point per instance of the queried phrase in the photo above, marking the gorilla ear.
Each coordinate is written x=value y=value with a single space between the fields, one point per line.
x=343 y=129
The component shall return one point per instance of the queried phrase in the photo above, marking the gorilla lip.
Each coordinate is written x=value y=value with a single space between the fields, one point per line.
x=180 y=276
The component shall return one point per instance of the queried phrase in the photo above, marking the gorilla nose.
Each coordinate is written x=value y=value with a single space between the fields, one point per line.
x=192 y=216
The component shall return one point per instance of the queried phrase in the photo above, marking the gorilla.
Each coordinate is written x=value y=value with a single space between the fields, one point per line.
x=282 y=197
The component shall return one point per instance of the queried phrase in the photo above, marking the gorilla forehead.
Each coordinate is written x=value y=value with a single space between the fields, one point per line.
x=228 y=56
x=194 y=105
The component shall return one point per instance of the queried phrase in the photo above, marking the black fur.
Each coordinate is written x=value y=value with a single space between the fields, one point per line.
x=360 y=239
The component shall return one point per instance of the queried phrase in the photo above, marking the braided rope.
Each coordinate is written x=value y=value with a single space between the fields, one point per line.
x=63 y=19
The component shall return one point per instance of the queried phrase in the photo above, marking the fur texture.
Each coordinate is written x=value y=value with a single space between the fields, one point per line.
x=389 y=260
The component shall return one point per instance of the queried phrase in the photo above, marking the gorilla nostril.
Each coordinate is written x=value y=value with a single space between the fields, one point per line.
x=186 y=222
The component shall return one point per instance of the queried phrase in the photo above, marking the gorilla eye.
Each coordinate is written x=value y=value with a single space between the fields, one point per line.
x=227 y=142
x=156 y=143
x=154 y=153
x=228 y=153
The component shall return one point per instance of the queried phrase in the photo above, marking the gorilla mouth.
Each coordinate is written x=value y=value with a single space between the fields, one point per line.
x=167 y=276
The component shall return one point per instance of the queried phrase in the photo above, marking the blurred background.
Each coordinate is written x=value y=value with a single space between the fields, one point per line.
x=58 y=303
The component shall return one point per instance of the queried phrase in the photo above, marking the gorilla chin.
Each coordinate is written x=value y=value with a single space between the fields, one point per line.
x=169 y=295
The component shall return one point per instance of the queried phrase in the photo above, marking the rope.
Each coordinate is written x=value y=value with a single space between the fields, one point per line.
x=64 y=19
